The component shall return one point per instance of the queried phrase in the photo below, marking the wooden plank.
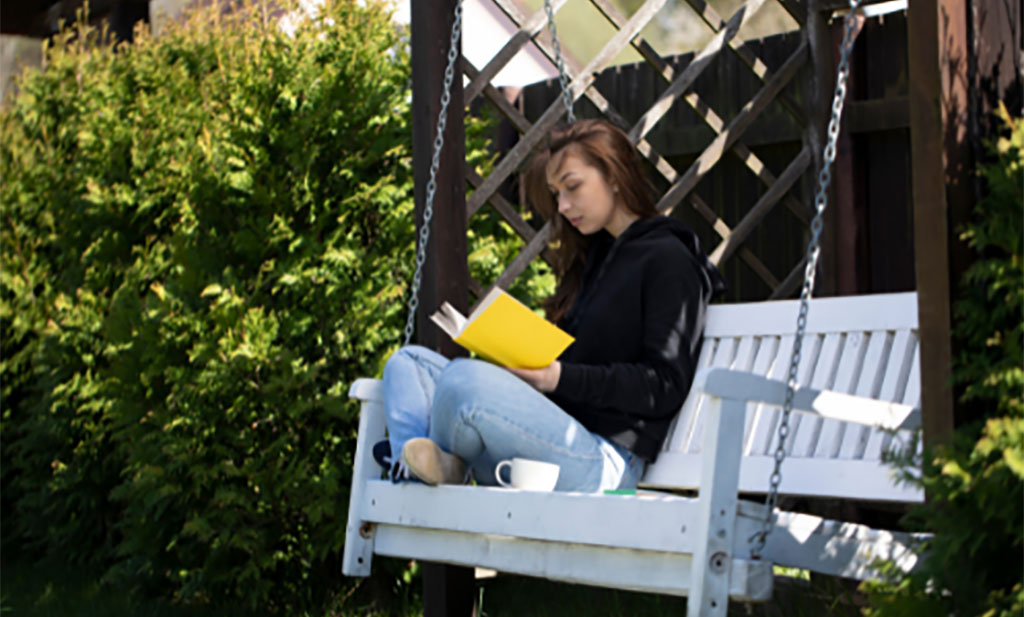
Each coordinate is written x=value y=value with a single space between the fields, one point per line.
x=928 y=128
x=445 y=272
x=584 y=518
x=837 y=548
x=894 y=384
x=725 y=352
x=677 y=434
x=848 y=379
x=715 y=514
x=805 y=430
x=713 y=153
x=358 y=552
x=646 y=571
x=758 y=416
x=830 y=478
x=820 y=89
x=764 y=430
x=852 y=439
x=896 y=311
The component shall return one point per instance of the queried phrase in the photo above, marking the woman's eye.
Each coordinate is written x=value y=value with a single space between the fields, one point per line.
x=573 y=187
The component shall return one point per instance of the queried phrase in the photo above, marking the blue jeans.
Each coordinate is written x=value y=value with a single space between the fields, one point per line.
x=485 y=414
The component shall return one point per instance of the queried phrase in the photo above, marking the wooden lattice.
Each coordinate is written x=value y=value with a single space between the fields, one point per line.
x=728 y=135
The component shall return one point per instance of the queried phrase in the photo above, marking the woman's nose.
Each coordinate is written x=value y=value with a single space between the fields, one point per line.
x=563 y=203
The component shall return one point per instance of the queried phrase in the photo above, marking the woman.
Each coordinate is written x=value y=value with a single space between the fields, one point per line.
x=632 y=289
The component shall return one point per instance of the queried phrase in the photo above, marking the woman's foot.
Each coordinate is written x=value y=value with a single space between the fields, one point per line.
x=428 y=462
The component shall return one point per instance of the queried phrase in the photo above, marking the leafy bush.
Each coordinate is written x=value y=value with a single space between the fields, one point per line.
x=206 y=237
x=972 y=566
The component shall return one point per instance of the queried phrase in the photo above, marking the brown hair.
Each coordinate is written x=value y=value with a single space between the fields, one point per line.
x=606 y=147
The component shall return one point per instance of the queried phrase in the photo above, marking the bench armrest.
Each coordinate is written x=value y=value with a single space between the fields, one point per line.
x=368 y=390
x=739 y=385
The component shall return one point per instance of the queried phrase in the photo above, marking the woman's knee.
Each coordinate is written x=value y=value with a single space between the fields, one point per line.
x=465 y=380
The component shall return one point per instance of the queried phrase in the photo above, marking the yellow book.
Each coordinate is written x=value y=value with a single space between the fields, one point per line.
x=504 y=331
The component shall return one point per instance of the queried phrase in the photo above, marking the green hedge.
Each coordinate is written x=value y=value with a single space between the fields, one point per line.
x=206 y=237
x=972 y=567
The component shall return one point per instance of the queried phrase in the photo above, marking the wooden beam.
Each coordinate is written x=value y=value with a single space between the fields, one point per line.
x=930 y=123
x=447 y=591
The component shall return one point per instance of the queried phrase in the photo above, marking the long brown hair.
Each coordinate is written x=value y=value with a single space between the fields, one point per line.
x=601 y=145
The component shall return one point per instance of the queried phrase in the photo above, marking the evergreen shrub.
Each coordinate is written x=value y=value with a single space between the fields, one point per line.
x=972 y=567
x=206 y=237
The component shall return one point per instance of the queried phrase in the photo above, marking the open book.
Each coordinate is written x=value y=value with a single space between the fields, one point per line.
x=504 y=331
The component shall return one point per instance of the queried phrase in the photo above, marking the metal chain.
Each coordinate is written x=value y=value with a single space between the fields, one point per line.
x=435 y=162
x=760 y=538
x=563 y=77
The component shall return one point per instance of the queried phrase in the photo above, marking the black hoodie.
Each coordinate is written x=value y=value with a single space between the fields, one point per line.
x=638 y=322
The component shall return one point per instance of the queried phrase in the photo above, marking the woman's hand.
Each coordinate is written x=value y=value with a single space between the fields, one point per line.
x=543 y=379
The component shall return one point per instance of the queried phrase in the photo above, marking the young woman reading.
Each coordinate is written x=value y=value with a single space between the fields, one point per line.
x=633 y=287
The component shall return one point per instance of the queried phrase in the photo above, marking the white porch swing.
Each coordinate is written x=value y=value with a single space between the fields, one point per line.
x=861 y=376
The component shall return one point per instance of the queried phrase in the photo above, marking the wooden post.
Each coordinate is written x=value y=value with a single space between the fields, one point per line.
x=935 y=113
x=447 y=591
x=819 y=98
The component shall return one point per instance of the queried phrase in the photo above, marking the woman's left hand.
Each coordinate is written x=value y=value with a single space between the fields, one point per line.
x=543 y=379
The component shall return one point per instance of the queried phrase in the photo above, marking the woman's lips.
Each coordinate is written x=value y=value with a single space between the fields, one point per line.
x=576 y=221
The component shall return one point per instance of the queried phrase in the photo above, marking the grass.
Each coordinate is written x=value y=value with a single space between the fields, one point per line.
x=55 y=590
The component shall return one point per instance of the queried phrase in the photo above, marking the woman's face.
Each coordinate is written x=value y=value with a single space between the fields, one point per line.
x=585 y=198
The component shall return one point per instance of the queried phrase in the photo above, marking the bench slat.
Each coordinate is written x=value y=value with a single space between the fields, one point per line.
x=724 y=354
x=827 y=478
x=806 y=429
x=647 y=571
x=852 y=439
x=840 y=314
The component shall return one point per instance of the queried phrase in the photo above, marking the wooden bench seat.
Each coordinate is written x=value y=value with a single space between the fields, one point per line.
x=861 y=367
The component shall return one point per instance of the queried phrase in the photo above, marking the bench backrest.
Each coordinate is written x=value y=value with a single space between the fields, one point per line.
x=862 y=345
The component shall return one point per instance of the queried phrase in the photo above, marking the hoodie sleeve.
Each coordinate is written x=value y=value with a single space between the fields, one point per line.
x=674 y=301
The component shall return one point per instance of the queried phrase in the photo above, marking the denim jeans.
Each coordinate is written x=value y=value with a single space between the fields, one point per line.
x=485 y=414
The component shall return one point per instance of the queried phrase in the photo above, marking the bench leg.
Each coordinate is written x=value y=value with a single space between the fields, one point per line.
x=716 y=512
x=358 y=554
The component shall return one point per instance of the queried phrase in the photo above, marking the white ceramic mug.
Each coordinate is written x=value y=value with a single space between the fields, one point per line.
x=528 y=475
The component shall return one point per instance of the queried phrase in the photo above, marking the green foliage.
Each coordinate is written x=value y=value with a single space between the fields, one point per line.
x=972 y=567
x=206 y=237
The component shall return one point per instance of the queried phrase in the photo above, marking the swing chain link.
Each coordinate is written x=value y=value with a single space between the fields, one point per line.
x=435 y=163
x=563 y=77
x=760 y=538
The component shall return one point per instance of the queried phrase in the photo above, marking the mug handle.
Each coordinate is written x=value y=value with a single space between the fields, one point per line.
x=497 y=474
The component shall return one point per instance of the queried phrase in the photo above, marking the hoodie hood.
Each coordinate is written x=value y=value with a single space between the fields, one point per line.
x=655 y=226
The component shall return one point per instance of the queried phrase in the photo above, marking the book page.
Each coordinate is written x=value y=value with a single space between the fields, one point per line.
x=449 y=320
